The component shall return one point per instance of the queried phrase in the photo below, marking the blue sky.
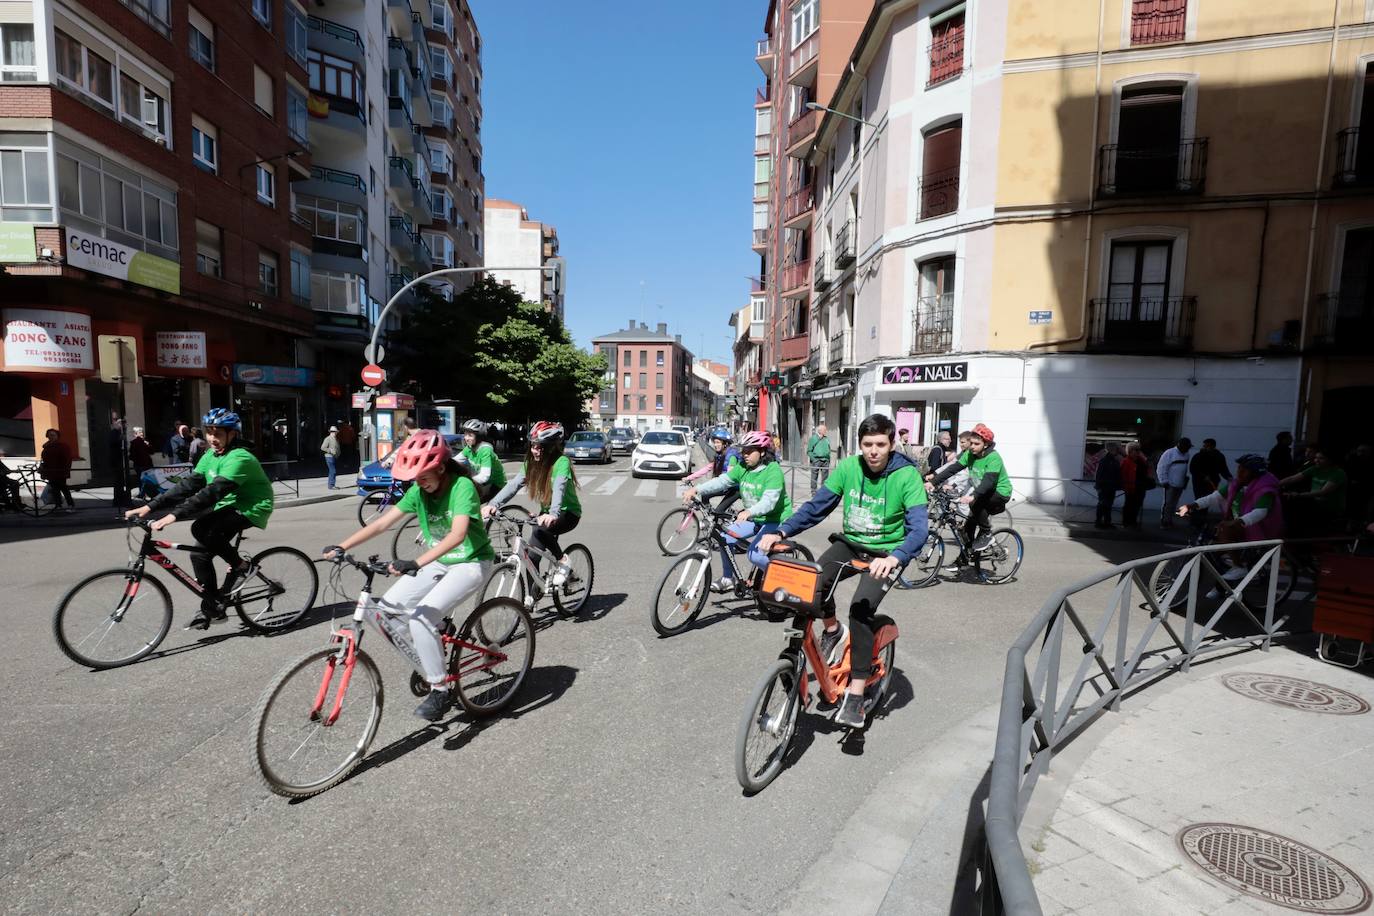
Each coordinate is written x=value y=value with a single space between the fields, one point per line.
x=629 y=126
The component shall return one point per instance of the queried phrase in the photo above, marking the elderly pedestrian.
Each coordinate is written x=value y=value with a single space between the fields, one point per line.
x=140 y=452
x=818 y=453
x=178 y=447
x=56 y=468
x=1107 y=481
x=330 y=449
x=1172 y=473
x=1136 y=480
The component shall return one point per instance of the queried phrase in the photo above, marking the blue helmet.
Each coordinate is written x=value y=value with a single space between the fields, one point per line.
x=1255 y=464
x=721 y=433
x=222 y=418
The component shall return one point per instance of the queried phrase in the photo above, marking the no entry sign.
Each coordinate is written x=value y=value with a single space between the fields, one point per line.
x=373 y=375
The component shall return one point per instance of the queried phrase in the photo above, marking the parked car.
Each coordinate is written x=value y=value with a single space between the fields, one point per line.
x=662 y=454
x=377 y=475
x=586 y=445
x=623 y=439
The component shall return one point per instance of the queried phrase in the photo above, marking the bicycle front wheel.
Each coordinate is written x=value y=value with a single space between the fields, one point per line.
x=769 y=723
x=112 y=618
x=490 y=671
x=1002 y=557
x=297 y=751
x=681 y=594
x=280 y=591
x=573 y=593
x=373 y=505
x=409 y=542
x=678 y=530
x=925 y=566
x=502 y=532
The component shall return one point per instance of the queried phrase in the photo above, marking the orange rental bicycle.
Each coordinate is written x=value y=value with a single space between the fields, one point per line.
x=770 y=721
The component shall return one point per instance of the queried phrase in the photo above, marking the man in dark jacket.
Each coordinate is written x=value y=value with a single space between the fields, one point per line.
x=1280 y=462
x=1107 y=482
x=1208 y=469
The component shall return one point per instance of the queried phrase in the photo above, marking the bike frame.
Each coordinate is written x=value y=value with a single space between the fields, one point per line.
x=152 y=550
x=524 y=559
x=831 y=681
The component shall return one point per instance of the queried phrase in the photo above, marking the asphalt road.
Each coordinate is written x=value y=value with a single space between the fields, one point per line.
x=609 y=788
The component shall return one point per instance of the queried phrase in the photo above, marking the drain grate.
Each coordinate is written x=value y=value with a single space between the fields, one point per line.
x=1274 y=868
x=1295 y=693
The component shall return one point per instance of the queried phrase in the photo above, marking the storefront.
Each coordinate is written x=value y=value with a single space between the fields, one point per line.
x=924 y=398
x=268 y=399
x=46 y=353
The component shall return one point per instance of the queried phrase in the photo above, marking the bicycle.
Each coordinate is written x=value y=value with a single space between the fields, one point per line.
x=408 y=542
x=128 y=607
x=684 y=586
x=30 y=493
x=378 y=501
x=1004 y=553
x=517 y=576
x=1254 y=594
x=770 y=720
x=305 y=741
x=682 y=527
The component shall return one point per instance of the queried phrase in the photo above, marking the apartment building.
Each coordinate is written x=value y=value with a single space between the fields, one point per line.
x=516 y=241
x=147 y=152
x=747 y=371
x=651 y=387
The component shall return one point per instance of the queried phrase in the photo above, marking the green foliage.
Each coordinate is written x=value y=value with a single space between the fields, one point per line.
x=502 y=358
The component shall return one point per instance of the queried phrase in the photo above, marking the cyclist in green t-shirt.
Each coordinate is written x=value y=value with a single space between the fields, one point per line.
x=456 y=560
x=481 y=459
x=227 y=492
x=1320 y=508
x=884 y=511
x=991 y=487
x=552 y=485
x=763 y=491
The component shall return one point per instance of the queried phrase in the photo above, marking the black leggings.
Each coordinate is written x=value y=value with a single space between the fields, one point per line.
x=867 y=596
x=215 y=532
x=546 y=539
x=980 y=513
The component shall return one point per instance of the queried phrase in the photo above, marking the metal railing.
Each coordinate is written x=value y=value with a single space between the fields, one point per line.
x=841 y=351
x=932 y=328
x=796 y=276
x=820 y=275
x=1344 y=322
x=763 y=47
x=844 y=245
x=760 y=238
x=283 y=483
x=1174 y=169
x=1040 y=713
x=1349 y=167
x=334 y=30
x=337 y=176
x=802 y=126
x=939 y=193
x=799 y=203
x=946 y=52
x=1141 y=325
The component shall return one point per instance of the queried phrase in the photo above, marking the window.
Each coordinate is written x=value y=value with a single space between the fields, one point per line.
x=658 y=358
x=763 y=172
x=1158 y=21
x=267 y=184
x=204 y=144
x=643 y=357
x=264 y=91
x=933 y=328
x=658 y=380
x=208 y=249
x=946 y=46
x=202 y=40
x=627 y=361
x=1137 y=290
x=85 y=70
x=440 y=64
x=297 y=115
x=16 y=53
x=643 y=380
x=153 y=12
x=24 y=194
x=296 y=37
x=1155 y=423
x=92 y=77
x=939 y=193
x=336 y=77
x=625 y=405
x=658 y=402
x=442 y=112
x=262 y=12
x=443 y=22
x=627 y=376
x=267 y=272
x=804 y=20
x=643 y=403
x=300 y=276
x=337 y=292
x=1149 y=139
x=441 y=248
x=99 y=196
x=442 y=204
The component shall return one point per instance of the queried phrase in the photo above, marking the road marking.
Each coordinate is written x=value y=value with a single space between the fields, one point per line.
x=647 y=488
x=586 y=480
x=610 y=485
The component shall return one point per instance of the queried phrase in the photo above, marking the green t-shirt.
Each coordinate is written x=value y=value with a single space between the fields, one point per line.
x=1264 y=502
x=874 y=511
x=485 y=457
x=252 y=498
x=985 y=464
x=437 y=513
x=1333 y=503
x=753 y=484
x=561 y=468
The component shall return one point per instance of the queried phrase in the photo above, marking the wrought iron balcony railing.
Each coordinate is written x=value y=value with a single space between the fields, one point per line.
x=932 y=328
x=1141 y=325
x=939 y=192
x=1133 y=171
x=844 y=245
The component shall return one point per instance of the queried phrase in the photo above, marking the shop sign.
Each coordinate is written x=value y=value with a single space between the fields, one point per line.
x=924 y=373
x=181 y=349
x=112 y=259
x=289 y=376
x=47 y=339
x=16 y=243
x=396 y=402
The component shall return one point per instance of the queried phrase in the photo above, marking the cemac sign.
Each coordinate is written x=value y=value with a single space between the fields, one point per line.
x=112 y=259
x=44 y=340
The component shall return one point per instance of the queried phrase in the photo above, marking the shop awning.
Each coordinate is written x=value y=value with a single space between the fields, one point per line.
x=830 y=391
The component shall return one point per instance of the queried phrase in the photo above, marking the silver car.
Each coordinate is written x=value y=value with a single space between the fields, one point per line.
x=588 y=446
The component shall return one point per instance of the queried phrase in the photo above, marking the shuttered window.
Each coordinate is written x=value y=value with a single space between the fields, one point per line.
x=946 y=48
x=939 y=190
x=1158 y=21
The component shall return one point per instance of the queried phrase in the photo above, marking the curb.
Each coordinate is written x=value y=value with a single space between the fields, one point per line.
x=101 y=517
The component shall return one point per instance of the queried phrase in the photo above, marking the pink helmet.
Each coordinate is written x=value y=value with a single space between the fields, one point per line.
x=756 y=439
x=543 y=431
x=423 y=450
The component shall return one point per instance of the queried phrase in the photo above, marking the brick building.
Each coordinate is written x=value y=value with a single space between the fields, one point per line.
x=651 y=385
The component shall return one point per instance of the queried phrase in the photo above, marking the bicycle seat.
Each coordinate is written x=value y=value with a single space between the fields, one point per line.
x=868 y=552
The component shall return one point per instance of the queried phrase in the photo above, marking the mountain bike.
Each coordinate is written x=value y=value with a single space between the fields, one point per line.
x=770 y=720
x=306 y=740
x=994 y=564
x=378 y=501
x=517 y=576
x=30 y=493
x=409 y=542
x=683 y=588
x=117 y=616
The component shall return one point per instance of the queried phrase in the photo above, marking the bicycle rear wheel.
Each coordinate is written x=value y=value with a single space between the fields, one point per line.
x=280 y=591
x=487 y=683
x=409 y=542
x=112 y=618
x=373 y=505
x=925 y=566
x=1162 y=579
x=295 y=753
x=502 y=532
x=769 y=723
x=678 y=530
x=573 y=593
x=1002 y=557
x=1256 y=594
x=681 y=594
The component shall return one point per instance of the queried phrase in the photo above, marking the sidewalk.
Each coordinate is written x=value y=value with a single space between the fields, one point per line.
x=1244 y=787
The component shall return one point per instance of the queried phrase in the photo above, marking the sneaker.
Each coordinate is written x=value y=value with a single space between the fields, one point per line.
x=199 y=622
x=851 y=711
x=561 y=573
x=981 y=543
x=1235 y=574
x=832 y=644
x=235 y=580
x=723 y=585
x=434 y=706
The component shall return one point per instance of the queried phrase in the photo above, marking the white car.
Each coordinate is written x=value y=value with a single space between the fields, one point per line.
x=662 y=454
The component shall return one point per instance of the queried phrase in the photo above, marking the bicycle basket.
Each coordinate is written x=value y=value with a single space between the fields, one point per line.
x=793 y=585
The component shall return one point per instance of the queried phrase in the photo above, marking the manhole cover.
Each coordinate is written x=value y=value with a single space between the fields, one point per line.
x=1295 y=693
x=1274 y=868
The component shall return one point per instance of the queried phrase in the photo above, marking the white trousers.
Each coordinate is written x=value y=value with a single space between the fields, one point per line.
x=429 y=597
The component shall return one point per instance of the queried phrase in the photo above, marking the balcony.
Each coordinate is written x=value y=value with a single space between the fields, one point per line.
x=796 y=280
x=1141 y=325
x=760 y=238
x=1180 y=169
x=329 y=37
x=763 y=144
x=763 y=55
x=1354 y=164
x=946 y=52
x=334 y=184
x=939 y=193
x=799 y=206
x=800 y=62
x=813 y=363
x=932 y=327
x=844 y=245
x=1344 y=323
x=802 y=128
x=761 y=97
x=820 y=279
x=347 y=326
x=400 y=122
x=793 y=351
x=841 y=351
x=1158 y=21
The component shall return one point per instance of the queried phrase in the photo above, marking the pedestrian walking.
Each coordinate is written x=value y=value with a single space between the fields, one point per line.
x=178 y=447
x=1136 y=480
x=117 y=451
x=330 y=448
x=1208 y=468
x=198 y=445
x=140 y=452
x=1107 y=481
x=1172 y=473
x=1280 y=462
x=56 y=467
x=818 y=453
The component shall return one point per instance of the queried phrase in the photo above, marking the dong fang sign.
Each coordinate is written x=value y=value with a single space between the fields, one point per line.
x=43 y=340
x=925 y=373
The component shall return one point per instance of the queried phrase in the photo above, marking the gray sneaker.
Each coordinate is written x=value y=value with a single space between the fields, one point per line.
x=434 y=705
x=832 y=644
x=851 y=711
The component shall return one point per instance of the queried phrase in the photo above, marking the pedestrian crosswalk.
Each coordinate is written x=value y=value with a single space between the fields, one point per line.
x=624 y=486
